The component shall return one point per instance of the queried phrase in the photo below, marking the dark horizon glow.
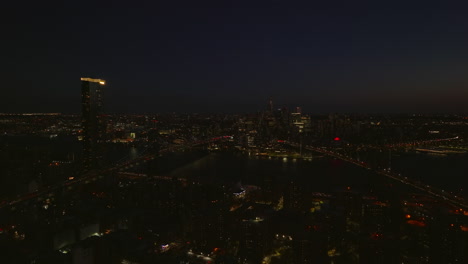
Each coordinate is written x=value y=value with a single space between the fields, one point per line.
x=231 y=57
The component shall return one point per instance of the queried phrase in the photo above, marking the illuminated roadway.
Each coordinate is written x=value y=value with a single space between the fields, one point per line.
x=422 y=142
x=446 y=196
x=131 y=175
x=409 y=144
x=93 y=176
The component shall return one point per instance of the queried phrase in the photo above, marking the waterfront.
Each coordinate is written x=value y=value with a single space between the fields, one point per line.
x=321 y=174
x=317 y=174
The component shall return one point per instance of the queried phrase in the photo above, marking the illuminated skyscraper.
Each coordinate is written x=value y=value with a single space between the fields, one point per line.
x=92 y=123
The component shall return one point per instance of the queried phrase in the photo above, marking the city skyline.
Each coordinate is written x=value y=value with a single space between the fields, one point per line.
x=271 y=187
x=241 y=132
x=276 y=186
x=221 y=57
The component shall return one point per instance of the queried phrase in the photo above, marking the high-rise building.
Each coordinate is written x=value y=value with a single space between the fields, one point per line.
x=270 y=105
x=92 y=122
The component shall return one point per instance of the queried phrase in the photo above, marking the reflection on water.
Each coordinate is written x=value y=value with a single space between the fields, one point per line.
x=320 y=174
x=230 y=168
x=447 y=172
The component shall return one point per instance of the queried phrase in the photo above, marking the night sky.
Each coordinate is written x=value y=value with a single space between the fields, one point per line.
x=231 y=56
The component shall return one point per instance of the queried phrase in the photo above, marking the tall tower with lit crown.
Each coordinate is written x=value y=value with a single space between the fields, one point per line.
x=92 y=122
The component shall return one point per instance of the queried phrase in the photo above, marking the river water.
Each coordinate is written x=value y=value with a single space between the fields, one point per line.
x=319 y=174
x=446 y=172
